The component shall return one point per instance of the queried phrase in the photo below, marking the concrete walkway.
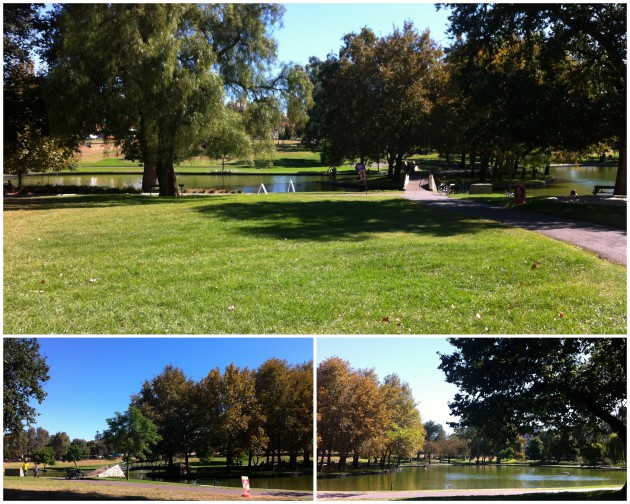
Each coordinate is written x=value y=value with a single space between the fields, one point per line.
x=608 y=243
x=451 y=494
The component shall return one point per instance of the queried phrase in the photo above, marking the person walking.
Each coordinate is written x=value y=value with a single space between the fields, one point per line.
x=36 y=470
x=25 y=468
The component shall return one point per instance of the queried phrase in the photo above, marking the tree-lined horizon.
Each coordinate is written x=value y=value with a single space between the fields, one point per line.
x=518 y=85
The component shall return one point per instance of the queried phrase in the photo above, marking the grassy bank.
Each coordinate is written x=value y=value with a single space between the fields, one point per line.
x=292 y=263
x=38 y=489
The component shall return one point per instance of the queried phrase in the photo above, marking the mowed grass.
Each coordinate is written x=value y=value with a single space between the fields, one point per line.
x=38 y=489
x=292 y=264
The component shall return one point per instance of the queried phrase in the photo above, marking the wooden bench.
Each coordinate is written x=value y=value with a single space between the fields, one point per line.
x=602 y=188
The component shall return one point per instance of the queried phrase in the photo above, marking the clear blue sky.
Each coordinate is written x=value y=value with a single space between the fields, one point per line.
x=415 y=360
x=316 y=29
x=92 y=378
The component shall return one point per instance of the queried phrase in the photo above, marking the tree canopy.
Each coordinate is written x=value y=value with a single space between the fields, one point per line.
x=556 y=79
x=25 y=372
x=528 y=382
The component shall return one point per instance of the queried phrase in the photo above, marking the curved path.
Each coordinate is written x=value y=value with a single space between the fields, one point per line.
x=451 y=494
x=608 y=243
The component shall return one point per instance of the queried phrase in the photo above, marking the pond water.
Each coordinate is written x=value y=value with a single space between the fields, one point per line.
x=582 y=179
x=230 y=182
x=279 y=483
x=455 y=477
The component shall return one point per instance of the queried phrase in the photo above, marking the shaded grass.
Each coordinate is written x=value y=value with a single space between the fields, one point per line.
x=607 y=215
x=292 y=263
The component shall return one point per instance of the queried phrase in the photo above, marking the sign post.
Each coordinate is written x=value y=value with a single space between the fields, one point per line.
x=245 y=482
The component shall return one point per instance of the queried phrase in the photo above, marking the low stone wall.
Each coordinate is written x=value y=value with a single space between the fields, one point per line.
x=14 y=471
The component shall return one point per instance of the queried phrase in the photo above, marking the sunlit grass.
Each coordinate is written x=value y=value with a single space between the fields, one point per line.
x=292 y=263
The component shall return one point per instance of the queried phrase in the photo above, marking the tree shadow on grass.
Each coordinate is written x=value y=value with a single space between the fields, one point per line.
x=86 y=201
x=11 y=494
x=350 y=220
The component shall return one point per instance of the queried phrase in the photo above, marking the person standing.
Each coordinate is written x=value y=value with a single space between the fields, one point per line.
x=36 y=470
x=25 y=468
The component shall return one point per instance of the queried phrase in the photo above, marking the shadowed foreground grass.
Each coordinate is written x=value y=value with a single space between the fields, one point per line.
x=292 y=263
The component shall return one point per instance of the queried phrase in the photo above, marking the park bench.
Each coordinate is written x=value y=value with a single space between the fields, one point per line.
x=156 y=188
x=602 y=188
x=72 y=473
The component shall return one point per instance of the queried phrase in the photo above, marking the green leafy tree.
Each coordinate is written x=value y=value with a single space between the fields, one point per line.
x=535 y=449
x=581 y=50
x=562 y=382
x=132 y=434
x=28 y=144
x=24 y=374
x=45 y=456
x=615 y=449
x=60 y=442
x=229 y=139
x=167 y=400
x=157 y=69
x=593 y=453
x=76 y=452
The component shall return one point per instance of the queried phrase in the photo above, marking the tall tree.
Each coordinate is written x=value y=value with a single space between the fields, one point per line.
x=59 y=442
x=228 y=407
x=28 y=145
x=168 y=401
x=132 y=433
x=156 y=69
x=24 y=374
x=553 y=381
x=590 y=37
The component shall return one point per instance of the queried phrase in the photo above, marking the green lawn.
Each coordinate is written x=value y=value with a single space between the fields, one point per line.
x=292 y=263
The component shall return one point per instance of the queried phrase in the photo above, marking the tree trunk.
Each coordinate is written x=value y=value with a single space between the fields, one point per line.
x=307 y=457
x=167 y=178
x=621 y=183
x=149 y=176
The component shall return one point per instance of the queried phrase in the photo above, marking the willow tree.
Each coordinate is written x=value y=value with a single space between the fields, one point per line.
x=154 y=75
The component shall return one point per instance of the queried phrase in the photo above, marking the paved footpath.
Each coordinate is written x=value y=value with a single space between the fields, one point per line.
x=451 y=494
x=608 y=243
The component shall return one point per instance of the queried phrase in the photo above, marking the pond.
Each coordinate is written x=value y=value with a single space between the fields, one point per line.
x=582 y=179
x=230 y=182
x=279 y=483
x=457 y=477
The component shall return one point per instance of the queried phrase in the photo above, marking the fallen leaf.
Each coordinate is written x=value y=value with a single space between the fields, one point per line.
x=43 y=281
x=231 y=308
x=561 y=314
x=385 y=319
x=453 y=306
x=92 y=280
x=535 y=265
x=478 y=316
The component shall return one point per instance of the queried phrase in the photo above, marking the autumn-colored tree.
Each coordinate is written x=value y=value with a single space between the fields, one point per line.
x=227 y=405
x=168 y=401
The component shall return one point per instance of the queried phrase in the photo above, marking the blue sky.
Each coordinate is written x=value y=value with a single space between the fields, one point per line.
x=415 y=360
x=316 y=29
x=92 y=378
